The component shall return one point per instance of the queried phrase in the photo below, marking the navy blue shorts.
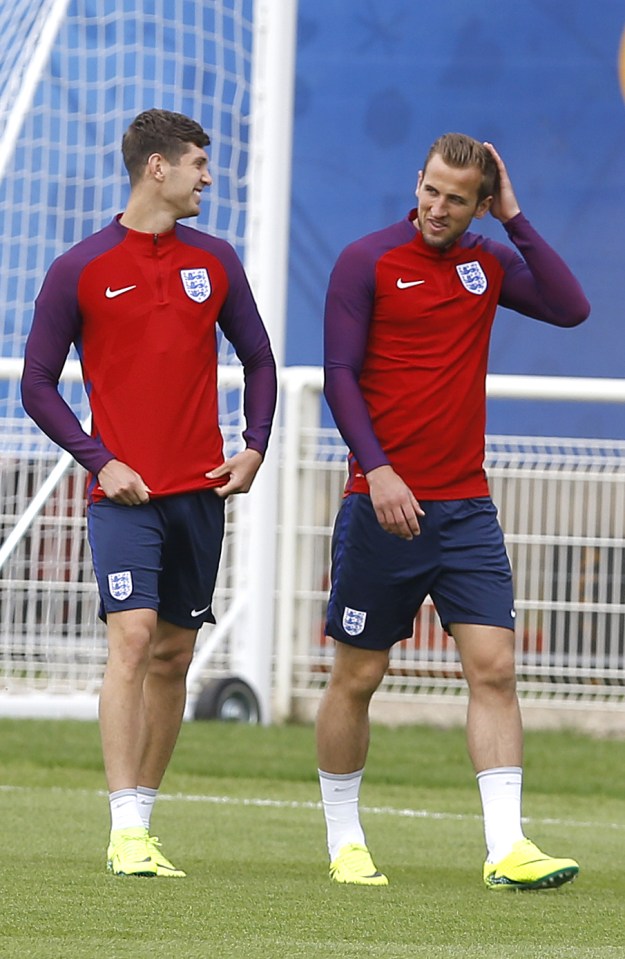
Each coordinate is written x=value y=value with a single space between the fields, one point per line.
x=379 y=581
x=163 y=555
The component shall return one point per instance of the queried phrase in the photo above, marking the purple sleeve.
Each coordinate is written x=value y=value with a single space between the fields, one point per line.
x=540 y=285
x=56 y=325
x=241 y=323
x=348 y=309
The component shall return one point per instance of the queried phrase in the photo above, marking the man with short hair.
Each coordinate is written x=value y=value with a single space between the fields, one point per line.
x=408 y=317
x=141 y=300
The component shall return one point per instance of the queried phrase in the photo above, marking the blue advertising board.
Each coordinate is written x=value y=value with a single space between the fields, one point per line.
x=378 y=82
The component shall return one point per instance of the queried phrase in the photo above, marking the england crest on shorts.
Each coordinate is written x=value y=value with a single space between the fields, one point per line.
x=472 y=277
x=196 y=284
x=354 y=621
x=120 y=584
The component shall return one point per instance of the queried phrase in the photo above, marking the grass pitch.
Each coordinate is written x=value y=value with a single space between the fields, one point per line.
x=239 y=811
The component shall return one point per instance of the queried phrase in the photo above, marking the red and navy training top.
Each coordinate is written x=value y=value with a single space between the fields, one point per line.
x=407 y=331
x=142 y=311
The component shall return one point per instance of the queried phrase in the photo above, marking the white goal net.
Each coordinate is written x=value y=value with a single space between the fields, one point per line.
x=72 y=77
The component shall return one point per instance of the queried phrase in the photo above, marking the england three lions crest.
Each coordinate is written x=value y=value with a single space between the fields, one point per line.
x=354 y=621
x=472 y=277
x=120 y=584
x=196 y=284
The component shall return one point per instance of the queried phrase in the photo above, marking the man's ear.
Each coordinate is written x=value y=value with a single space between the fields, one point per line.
x=483 y=207
x=156 y=165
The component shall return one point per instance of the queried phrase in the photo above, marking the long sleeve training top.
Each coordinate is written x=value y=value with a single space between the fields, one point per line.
x=142 y=311
x=407 y=332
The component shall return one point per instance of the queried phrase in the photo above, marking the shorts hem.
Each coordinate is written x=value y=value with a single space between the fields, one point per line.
x=185 y=622
x=103 y=613
x=366 y=644
x=474 y=621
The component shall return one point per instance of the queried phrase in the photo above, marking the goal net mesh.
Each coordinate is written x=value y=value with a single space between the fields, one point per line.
x=72 y=77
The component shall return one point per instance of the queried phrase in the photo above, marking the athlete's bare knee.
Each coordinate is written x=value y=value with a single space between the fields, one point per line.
x=358 y=673
x=131 y=634
x=172 y=651
x=497 y=677
x=171 y=663
x=488 y=659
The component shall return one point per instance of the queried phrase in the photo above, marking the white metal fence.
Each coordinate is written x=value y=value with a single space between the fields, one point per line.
x=562 y=507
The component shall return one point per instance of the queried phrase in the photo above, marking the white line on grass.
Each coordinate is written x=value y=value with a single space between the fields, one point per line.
x=295 y=804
